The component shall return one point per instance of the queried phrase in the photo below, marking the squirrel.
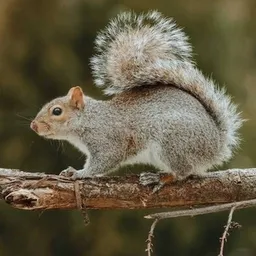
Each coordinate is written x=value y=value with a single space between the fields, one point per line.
x=163 y=111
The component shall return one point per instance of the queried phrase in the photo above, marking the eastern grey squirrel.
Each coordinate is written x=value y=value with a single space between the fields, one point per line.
x=164 y=111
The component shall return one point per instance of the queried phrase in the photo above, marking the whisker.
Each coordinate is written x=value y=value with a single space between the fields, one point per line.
x=62 y=147
x=24 y=124
x=59 y=145
x=26 y=118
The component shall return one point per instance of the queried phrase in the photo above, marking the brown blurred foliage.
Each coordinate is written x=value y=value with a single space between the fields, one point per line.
x=45 y=46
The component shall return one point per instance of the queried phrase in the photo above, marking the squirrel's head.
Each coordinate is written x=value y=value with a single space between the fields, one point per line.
x=56 y=117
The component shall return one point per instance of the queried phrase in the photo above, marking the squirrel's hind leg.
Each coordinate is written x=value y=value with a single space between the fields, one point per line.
x=181 y=171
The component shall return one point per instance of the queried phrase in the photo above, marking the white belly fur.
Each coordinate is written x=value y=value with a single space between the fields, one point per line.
x=150 y=155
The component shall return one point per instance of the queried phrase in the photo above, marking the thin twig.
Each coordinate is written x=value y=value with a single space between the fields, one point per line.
x=225 y=234
x=149 y=242
x=203 y=210
x=78 y=195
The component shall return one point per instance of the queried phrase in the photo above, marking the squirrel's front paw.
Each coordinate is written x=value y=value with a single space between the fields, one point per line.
x=73 y=173
x=70 y=172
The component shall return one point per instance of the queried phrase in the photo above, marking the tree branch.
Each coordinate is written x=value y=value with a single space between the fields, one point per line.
x=225 y=234
x=203 y=210
x=40 y=191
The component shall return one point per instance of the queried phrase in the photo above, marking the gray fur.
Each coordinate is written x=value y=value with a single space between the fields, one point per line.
x=164 y=112
x=148 y=49
x=168 y=128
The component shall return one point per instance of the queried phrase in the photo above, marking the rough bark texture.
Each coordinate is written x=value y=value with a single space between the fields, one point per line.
x=40 y=191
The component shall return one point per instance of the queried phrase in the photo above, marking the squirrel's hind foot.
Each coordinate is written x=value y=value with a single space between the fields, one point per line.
x=158 y=180
x=149 y=178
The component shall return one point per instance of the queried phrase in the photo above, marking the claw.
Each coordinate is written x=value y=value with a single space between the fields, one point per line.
x=158 y=187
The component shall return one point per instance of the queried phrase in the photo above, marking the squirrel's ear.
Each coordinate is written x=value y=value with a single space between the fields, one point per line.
x=75 y=95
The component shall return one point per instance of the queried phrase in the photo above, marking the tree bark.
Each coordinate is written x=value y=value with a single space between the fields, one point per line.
x=32 y=191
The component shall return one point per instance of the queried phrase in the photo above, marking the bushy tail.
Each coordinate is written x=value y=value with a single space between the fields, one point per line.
x=135 y=50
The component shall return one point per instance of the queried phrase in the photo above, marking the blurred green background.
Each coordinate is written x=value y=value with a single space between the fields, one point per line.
x=45 y=46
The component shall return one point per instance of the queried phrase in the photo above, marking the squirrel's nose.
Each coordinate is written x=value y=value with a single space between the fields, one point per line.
x=34 y=126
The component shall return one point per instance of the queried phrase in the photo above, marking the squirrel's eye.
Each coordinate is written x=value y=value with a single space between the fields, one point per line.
x=57 y=111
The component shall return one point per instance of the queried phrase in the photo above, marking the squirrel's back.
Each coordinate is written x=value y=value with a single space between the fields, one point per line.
x=148 y=49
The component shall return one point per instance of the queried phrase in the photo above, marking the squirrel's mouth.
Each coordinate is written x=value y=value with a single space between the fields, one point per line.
x=42 y=129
